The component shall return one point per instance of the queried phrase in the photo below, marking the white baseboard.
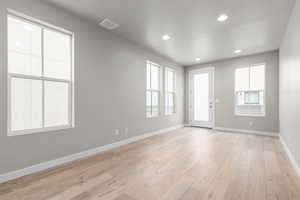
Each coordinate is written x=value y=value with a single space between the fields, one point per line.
x=290 y=155
x=273 y=134
x=53 y=163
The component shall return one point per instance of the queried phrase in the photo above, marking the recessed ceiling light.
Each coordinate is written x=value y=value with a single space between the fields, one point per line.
x=238 y=51
x=166 y=37
x=198 y=59
x=222 y=18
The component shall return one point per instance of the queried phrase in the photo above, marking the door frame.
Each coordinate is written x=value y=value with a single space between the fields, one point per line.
x=211 y=70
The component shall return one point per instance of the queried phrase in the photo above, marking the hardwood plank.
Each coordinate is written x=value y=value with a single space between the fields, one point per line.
x=256 y=181
x=186 y=164
x=276 y=189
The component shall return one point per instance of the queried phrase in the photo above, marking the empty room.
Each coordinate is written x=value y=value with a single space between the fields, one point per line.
x=149 y=100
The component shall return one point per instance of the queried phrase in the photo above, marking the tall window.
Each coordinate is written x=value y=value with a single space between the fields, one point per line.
x=250 y=91
x=153 y=89
x=39 y=77
x=170 y=86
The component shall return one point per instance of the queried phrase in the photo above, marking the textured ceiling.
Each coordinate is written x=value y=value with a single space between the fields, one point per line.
x=254 y=25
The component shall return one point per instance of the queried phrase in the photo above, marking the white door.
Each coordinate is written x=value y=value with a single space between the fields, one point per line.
x=201 y=97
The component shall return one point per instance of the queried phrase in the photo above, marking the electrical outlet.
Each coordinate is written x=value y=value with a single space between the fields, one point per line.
x=117 y=132
x=126 y=130
x=250 y=123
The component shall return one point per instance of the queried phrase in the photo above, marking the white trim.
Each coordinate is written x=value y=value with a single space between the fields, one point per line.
x=33 y=20
x=159 y=91
x=38 y=130
x=166 y=92
x=290 y=156
x=211 y=71
x=53 y=163
x=263 y=114
x=42 y=78
x=44 y=26
x=250 y=115
x=272 y=134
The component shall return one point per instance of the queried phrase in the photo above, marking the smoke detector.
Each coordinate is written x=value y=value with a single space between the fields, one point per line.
x=108 y=24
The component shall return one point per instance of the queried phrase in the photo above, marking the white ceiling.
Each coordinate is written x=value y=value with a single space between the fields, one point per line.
x=254 y=25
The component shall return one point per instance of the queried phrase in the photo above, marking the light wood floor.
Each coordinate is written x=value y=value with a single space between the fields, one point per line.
x=186 y=164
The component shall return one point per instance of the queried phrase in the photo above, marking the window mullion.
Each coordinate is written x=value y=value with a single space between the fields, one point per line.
x=249 y=79
x=71 y=91
x=174 y=102
x=150 y=91
x=160 y=88
x=43 y=81
x=150 y=70
x=23 y=76
x=174 y=92
x=70 y=105
x=165 y=91
x=9 y=126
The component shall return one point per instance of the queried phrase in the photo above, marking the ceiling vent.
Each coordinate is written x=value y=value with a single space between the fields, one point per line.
x=108 y=24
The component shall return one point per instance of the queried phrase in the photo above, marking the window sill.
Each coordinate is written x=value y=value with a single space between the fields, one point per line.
x=170 y=115
x=250 y=115
x=39 y=130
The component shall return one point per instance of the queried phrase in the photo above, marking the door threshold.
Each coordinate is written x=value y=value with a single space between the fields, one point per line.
x=198 y=126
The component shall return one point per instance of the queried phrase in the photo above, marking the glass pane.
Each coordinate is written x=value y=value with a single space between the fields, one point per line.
x=257 y=77
x=170 y=103
x=148 y=104
x=170 y=81
x=148 y=76
x=26 y=104
x=252 y=98
x=24 y=47
x=155 y=103
x=57 y=53
x=201 y=97
x=242 y=79
x=56 y=104
x=154 y=77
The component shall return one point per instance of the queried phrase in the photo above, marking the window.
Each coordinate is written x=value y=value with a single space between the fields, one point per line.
x=40 y=85
x=153 y=89
x=250 y=91
x=170 y=86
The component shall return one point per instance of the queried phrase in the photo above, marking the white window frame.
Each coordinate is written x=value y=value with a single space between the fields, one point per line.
x=43 y=26
x=154 y=90
x=166 y=92
x=263 y=114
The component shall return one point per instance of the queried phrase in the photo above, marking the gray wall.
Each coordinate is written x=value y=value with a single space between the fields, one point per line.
x=110 y=75
x=290 y=85
x=224 y=91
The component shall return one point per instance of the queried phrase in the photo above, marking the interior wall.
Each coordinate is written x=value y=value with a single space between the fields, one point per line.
x=290 y=85
x=224 y=92
x=110 y=74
